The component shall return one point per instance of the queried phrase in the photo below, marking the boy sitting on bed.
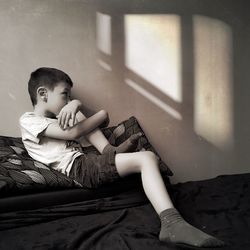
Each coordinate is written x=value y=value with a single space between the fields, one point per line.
x=48 y=134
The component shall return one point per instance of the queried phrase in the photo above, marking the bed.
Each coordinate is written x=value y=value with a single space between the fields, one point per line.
x=43 y=209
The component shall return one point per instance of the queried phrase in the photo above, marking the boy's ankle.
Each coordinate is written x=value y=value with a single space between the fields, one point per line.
x=108 y=148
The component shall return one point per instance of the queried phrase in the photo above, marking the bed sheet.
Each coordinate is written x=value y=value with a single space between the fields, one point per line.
x=220 y=206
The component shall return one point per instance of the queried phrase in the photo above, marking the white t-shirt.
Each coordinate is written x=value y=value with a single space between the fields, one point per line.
x=58 y=154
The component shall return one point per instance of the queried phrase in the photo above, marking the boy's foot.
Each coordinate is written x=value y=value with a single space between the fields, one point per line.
x=175 y=229
x=127 y=146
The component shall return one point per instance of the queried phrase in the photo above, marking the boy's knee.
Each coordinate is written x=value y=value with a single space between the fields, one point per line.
x=104 y=113
x=150 y=156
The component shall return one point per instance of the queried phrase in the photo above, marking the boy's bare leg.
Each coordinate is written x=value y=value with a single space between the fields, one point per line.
x=97 y=139
x=146 y=163
x=173 y=227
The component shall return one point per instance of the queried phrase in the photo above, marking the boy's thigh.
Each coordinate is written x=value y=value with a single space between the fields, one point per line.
x=93 y=170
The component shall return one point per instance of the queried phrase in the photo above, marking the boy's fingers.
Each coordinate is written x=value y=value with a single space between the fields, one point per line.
x=73 y=116
x=63 y=118
x=59 y=117
x=60 y=120
x=66 y=122
x=75 y=121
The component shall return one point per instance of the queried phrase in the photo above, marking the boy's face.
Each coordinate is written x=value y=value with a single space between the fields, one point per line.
x=58 y=97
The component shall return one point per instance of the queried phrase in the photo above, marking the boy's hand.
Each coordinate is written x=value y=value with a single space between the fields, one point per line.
x=68 y=113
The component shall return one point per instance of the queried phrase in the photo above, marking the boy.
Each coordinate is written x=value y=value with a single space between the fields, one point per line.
x=49 y=130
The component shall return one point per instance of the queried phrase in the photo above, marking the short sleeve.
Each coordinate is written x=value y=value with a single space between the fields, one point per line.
x=32 y=126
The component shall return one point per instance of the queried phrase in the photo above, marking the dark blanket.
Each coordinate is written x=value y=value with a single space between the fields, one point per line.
x=220 y=206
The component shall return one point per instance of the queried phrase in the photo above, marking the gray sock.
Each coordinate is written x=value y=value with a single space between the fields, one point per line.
x=175 y=229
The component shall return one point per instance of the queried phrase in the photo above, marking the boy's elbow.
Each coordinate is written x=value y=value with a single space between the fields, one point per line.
x=78 y=131
x=75 y=134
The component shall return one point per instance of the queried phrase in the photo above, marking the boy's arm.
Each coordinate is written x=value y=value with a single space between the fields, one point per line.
x=72 y=113
x=80 y=129
x=80 y=116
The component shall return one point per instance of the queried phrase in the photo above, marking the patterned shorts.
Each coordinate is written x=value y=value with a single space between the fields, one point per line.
x=93 y=170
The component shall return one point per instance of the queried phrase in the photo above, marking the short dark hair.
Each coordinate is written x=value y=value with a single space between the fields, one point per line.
x=48 y=77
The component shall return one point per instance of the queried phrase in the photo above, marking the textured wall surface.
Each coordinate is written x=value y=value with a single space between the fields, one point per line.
x=180 y=67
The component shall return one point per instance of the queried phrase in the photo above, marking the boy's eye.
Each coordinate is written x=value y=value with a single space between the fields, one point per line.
x=66 y=94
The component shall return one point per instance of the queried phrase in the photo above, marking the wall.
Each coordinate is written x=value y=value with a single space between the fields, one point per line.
x=180 y=67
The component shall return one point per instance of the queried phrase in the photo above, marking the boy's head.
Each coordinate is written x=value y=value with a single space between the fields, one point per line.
x=44 y=79
x=51 y=89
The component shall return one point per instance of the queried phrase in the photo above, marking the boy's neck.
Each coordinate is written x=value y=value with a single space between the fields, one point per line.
x=41 y=111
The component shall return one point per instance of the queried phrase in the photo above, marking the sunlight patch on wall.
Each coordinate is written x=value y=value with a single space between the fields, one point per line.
x=154 y=99
x=153 y=50
x=213 y=103
x=104 y=65
x=103 y=32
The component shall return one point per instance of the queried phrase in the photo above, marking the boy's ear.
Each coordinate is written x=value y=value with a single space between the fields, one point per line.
x=42 y=93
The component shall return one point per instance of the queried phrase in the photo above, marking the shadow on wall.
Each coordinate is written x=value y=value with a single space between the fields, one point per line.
x=183 y=60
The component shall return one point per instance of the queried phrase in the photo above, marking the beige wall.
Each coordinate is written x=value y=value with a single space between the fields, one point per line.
x=181 y=71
